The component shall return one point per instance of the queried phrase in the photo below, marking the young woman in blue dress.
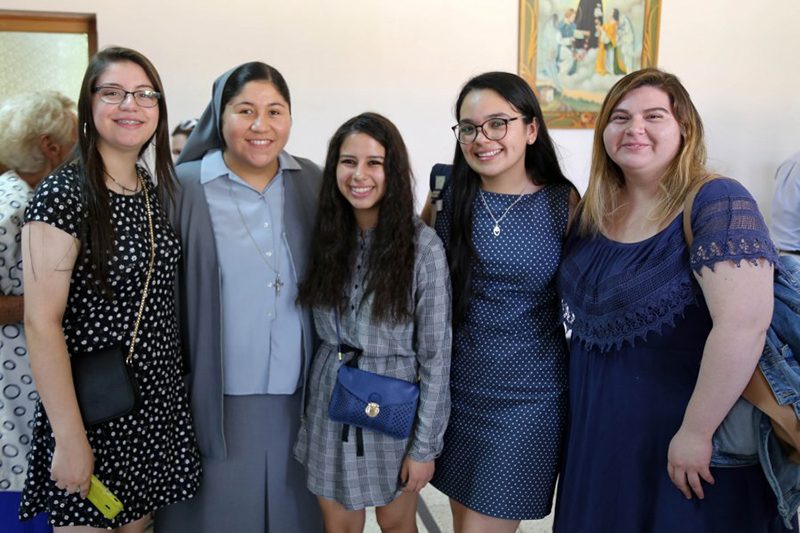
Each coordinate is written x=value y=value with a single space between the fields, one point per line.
x=664 y=337
x=503 y=220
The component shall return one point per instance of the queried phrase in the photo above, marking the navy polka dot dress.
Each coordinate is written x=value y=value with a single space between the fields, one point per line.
x=508 y=377
x=149 y=458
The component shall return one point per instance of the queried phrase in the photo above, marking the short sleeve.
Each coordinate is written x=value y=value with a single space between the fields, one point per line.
x=57 y=201
x=727 y=226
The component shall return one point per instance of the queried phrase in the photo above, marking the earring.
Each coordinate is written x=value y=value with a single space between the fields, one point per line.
x=84 y=129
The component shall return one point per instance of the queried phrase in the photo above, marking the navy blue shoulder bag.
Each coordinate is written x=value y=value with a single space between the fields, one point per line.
x=371 y=401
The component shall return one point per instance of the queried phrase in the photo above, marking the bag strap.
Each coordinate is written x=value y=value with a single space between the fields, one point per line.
x=351 y=362
x=146 y=289
x=344 y=348
x=688 y=202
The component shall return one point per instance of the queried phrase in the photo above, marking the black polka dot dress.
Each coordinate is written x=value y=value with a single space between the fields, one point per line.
x=508 y=378
x=148 y=459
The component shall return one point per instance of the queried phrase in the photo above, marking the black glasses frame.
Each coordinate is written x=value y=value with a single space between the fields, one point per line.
x=479 y=128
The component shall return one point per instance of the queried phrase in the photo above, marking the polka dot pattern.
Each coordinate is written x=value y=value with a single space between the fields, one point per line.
x=17 y=393
x=149 y=458
x=508 y=375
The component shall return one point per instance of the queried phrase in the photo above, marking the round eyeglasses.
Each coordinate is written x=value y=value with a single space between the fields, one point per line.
x=117 y=95
x=493 y=129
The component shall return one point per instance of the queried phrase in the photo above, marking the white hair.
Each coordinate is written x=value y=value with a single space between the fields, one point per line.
x=24 y=119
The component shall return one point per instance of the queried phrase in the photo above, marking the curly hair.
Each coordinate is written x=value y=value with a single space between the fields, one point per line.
x=24 y=119
x=605 y=176
x=390 y=262
x=541 y=165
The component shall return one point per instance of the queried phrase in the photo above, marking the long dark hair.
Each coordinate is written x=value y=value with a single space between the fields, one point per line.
x=541 y=164
x=97 y=228
x=390 y=263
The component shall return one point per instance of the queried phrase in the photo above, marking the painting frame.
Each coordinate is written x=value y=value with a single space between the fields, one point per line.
x=560 y=107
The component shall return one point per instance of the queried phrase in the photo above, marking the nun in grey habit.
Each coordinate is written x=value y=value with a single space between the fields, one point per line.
x=244 y=212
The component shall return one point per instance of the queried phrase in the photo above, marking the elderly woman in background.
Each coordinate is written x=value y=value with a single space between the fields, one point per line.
x=665 y=336
x=37 y=132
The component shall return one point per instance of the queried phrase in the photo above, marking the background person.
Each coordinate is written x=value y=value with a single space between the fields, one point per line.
x=244 y=213
x=664 y=338
x=786 y=209
x=180 y=135
x=86 y=249
x=37 y=132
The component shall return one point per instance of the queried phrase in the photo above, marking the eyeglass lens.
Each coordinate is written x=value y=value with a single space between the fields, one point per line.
x=115 y=95
x=493 y=129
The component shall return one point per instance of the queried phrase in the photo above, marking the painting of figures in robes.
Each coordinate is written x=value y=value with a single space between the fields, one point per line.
x=572 y=51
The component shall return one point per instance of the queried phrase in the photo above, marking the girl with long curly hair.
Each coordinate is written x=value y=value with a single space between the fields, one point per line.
x=379 y=284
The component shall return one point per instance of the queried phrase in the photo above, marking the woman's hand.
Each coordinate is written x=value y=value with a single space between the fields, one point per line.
x=73 y=464
x=688 y=461
x=415 y=475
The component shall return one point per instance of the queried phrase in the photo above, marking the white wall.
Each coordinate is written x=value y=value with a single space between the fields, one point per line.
x=408 y=60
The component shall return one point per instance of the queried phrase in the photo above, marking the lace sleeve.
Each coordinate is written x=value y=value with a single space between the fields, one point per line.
x=728 y=226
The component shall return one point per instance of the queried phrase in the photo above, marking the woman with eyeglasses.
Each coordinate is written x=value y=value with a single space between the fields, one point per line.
x=503 y=220
x=245 y=212
x=90 y=230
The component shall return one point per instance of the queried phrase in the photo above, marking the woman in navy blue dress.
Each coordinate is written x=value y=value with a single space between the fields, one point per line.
x=664 y=338
x=503 y=222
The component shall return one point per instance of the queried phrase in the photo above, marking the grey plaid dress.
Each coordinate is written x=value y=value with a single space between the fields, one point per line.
x=420 y=345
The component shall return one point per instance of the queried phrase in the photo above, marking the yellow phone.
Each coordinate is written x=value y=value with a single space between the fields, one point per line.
x=103 y=499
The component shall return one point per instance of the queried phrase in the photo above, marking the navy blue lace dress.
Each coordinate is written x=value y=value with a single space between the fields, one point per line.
x=639 y=323
x=508 y=372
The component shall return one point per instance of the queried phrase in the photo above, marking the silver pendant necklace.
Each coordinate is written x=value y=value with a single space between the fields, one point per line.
x=496 y=228
x=277 y=284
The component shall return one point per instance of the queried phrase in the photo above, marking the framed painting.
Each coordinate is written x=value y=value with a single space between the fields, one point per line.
x=572 y=51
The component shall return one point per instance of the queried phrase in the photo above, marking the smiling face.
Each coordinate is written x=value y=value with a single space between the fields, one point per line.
x=642 y=136
x=360 y=177
x=503 y=160
x=125 y=127
x=255 y=126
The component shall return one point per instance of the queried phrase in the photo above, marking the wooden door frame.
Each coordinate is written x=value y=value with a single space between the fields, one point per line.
x=51 y=22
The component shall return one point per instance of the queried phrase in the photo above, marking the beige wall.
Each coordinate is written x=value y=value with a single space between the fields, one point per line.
x=408 y=59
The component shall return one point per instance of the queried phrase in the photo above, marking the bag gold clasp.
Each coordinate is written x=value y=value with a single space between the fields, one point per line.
x=372 y=409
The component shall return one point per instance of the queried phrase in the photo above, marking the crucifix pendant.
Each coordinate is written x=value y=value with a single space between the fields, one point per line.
x=277 y=284
x=496 y=229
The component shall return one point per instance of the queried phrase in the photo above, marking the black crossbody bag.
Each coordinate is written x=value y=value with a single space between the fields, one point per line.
x=105 y=384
